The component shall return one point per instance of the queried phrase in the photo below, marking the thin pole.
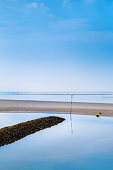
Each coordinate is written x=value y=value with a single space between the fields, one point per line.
x=70 y=114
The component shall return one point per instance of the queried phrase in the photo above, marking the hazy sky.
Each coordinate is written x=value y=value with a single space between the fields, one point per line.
x=56 y=45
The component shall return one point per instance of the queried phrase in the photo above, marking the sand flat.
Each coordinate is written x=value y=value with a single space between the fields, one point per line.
x=54 y=106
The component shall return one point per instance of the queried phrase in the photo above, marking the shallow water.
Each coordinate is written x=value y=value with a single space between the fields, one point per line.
x=106 y=97
x=87 y=145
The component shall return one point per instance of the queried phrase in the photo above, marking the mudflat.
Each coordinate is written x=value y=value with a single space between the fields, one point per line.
x=54 y=106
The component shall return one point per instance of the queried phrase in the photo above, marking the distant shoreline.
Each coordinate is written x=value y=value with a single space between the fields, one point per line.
x=81 y=108
x=59 y=93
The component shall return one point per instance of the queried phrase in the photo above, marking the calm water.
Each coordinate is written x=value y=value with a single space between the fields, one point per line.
x=104 y=97
x=88 y=145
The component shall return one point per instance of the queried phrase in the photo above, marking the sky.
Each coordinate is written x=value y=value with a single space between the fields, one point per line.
x=56 y=45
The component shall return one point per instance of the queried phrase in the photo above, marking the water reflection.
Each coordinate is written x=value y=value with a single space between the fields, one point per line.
x=71 y=113
x=90 y=148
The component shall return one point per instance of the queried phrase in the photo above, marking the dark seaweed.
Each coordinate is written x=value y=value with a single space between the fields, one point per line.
x=16 y=132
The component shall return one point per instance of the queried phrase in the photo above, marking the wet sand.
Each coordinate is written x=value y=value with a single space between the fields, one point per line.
x=53 y=106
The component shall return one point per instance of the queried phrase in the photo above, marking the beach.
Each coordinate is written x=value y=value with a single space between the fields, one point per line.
x=81 y=108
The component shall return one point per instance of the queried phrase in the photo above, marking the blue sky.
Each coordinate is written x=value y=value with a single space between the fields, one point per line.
x=56 y=45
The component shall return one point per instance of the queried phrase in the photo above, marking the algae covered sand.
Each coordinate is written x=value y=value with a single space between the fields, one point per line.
x=16 y=132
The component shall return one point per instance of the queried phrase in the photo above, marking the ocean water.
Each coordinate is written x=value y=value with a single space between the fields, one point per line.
x=86 y=143
x=100 y=97
x=78 y=143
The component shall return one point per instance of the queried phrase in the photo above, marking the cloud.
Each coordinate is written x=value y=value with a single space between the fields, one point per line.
x=69 y=24
x=33 y=5
x=90 y=1
x=51 y=15
x=39 y=6
x=66 y=2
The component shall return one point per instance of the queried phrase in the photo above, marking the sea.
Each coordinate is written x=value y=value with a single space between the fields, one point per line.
x=79 y=143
